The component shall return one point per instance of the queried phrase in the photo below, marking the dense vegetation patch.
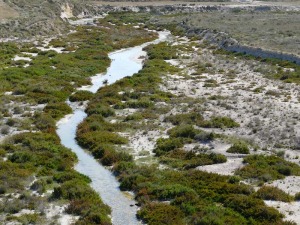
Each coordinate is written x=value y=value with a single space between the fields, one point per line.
x=81 y=96
x=187 y=160
x=239 y=147
x=273 y=193
x=267 y=168
x=42 y=154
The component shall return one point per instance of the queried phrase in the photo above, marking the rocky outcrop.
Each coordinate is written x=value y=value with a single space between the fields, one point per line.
x=224 y=41
x=40 y=17
x=262 y=53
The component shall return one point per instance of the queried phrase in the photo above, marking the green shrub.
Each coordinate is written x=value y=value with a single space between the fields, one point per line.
x=21 y=157
x=204 y=136
x=252 y=208
x=239 y=147
x=12 y=207
x=100 y=109
x=5 y=129
x=2 y=190
x=44 y=122
x=123 y=166
x=218 y=215
x=89 y=139
x=189 y=159
x=57 y=110
x=267 y=168
x=81 y=96
x=164 y=145
x=159 y=214
x=29 y=218
x=234 y=180
x=39 y=186
x=100 y=150
x=73 y=190
x=211 y=83
x=134 y=117
x=112 y=157
x=184 y=131
x=217 y=158
x=162 y=50
x=273 y=193
x=96 y=122
x=11 y=122
x=220 y=122
x=70 y=175
x=143 y=103
x=169 y=192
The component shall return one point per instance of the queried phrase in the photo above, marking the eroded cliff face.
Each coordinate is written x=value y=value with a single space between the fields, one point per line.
x=39 y=17
x=226 y=42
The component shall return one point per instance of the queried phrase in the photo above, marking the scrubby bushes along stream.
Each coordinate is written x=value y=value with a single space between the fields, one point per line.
x=168 y=196
x=36 y=161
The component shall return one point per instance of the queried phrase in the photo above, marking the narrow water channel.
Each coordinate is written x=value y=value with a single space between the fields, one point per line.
x=123 y=63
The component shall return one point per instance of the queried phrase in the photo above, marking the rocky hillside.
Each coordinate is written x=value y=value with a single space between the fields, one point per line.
x=37 y=17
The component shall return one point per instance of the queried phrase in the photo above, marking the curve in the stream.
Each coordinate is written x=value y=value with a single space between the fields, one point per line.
x=123 y=63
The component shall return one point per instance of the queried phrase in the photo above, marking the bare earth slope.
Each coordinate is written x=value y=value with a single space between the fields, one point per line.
x=6 y=11
x=37 y=17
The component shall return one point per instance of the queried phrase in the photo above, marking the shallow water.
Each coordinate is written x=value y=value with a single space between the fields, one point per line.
x=124 y=63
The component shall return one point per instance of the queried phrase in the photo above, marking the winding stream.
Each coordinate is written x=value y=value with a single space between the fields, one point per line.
x=124 y=63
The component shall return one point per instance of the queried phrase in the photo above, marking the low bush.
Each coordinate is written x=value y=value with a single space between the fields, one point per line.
x=192 y=118
x=253 y=208
x=5 y=129
x=44 y=122
x=273 y=193
x=267 y=168
x=172 y=191
x=181 y=159
x=39 y=186
x=11 y=122
x=213 y=214
x=162 y=50
x=220 y=122
x=203 y=136
x=100 y=109
x=112 y=157
x=57 y=110
x=89 y=139
x=134 y=117
x=183 y=131
x=160 y=214
x=70 y=175
x=135 y=104
x=239 y=147
x=164 y=145
x=81 y=96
